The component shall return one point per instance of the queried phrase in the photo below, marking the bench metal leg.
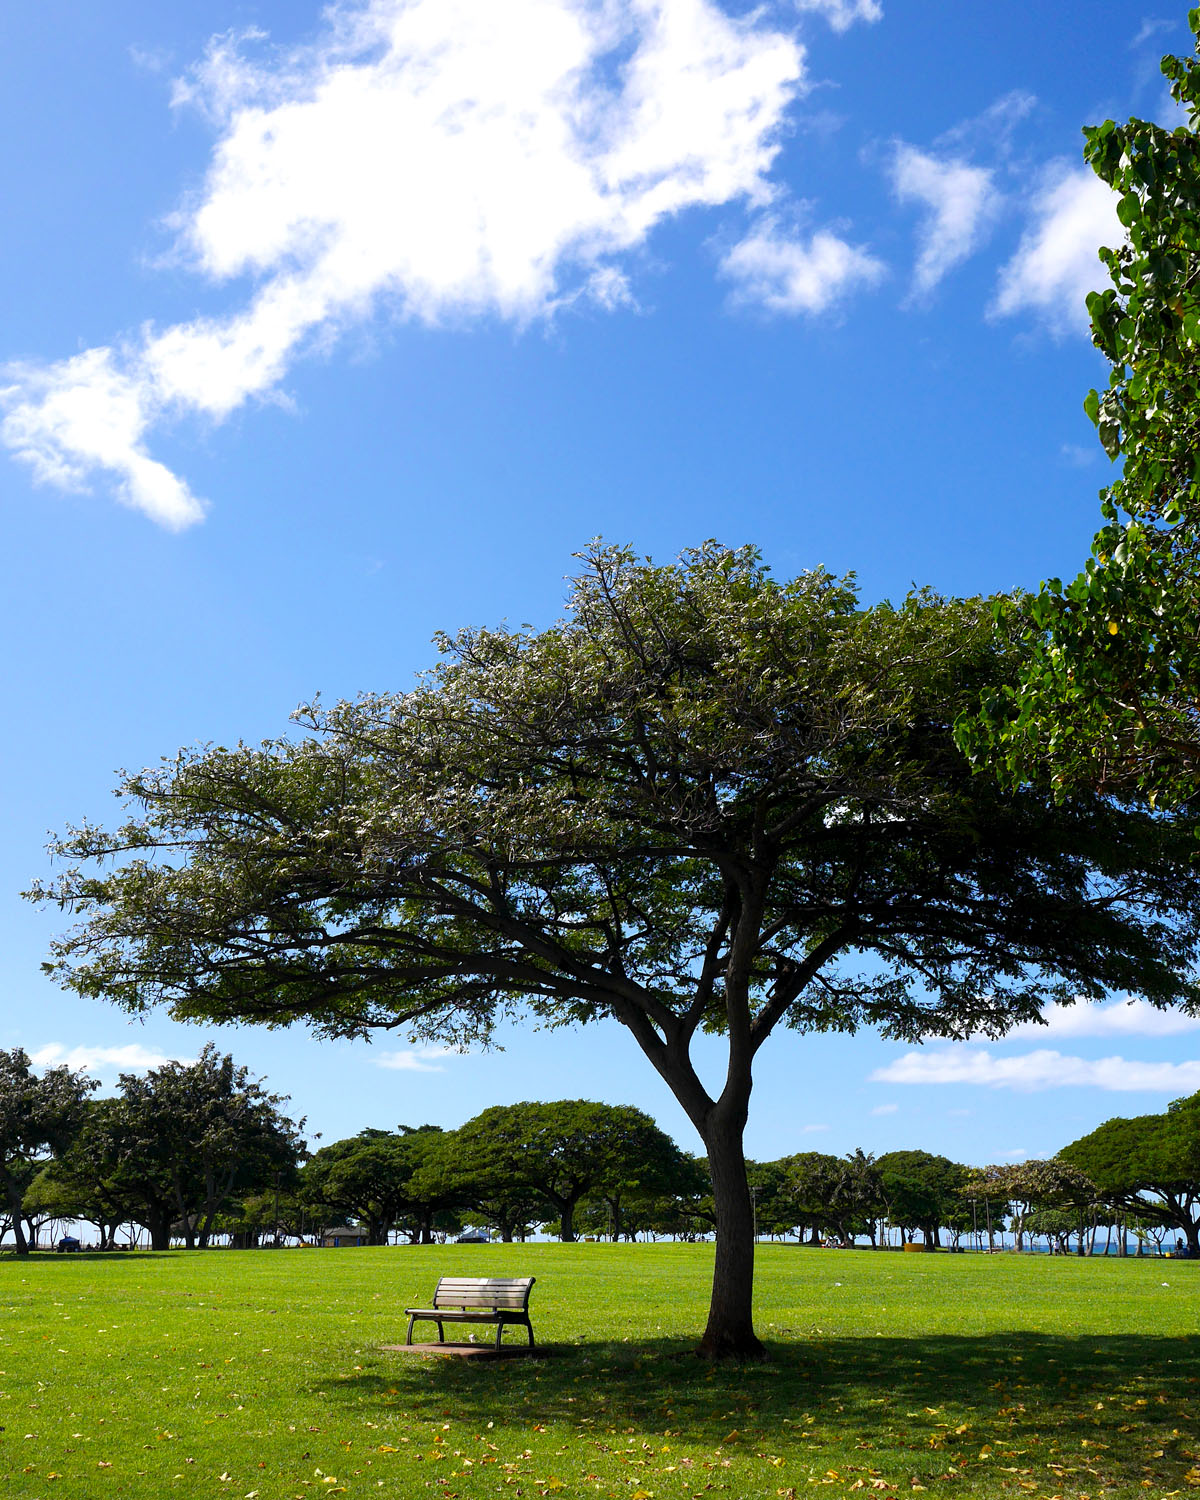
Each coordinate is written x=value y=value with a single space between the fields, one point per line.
x=529 y=1331
x=411 y=1321
x=441 y=1332
x=499 y=1331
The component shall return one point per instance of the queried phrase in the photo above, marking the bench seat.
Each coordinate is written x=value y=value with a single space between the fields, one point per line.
x=501 y=1300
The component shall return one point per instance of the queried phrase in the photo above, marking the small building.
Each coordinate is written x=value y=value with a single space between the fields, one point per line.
x=333 y=1239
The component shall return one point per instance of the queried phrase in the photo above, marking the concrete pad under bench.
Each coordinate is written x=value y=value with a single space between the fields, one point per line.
x=466 y=1351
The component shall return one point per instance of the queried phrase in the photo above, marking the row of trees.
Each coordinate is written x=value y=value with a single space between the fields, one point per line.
x=170 y=1151
x=1139 y=1175
x=513 y=1167
x=193 y=1150
x=202 y=1148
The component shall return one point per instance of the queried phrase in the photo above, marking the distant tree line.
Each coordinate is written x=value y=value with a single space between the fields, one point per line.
x=192 y=1152
x=173 y=1152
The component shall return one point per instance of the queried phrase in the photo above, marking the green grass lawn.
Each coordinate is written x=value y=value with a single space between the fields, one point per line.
x=259 y=1374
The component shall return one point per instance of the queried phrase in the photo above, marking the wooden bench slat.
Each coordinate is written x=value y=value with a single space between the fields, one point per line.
x=475 y=1284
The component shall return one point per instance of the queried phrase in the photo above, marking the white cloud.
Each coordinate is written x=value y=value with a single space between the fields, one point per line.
x=885 y=1109
x=784 y=273
x=443 y=160
x=1056 y=263
x=107 y=1061
x=1150 y=29
x=416 y=1059
x=1112 y=1018
x=962 y=201
x=842 y=14
x=992 y=129
x=1044 y=1069
x=85 y=414
x=814 y=1129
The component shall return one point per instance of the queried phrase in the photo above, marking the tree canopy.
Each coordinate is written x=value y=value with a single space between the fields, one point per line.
x=1148 y=1166
x=1110 y=690
x=921 y=1191
x=373 y=1177
x=90 y=1179
x=704 y=800
x=186 y=1136
x=38 y=1114
x=1032 y=1186
x=558 y=1152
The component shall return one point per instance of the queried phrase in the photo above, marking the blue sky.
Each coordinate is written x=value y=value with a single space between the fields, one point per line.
x=326 y=330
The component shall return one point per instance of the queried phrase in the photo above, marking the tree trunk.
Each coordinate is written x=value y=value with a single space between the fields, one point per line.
x=14 y=1195
x=189 y=1228
x=730 y=1331
x=1193 y=1239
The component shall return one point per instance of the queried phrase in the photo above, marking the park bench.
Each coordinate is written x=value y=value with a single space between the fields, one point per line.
x=477 y=1299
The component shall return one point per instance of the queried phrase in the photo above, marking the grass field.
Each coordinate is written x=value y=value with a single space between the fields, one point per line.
x=259 y=1374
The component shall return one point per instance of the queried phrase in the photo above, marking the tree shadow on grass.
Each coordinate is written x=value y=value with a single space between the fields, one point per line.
x=1092 y=1410
x=81 y=1257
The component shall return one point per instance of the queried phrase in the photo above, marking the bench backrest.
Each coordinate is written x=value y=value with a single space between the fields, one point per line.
x=511 y=1292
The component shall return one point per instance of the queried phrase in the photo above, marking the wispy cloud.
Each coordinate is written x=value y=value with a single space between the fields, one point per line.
x=1056 y=263
x=784 y=272
x=814 y=1129
x=1150 y=29
x=416 y=1059
x=1076 y=456
x=104 y=1061
x=1112 y=1018
x=962 y=202
x=842 y=14
x=885 y=1109
x=440 y=160
x=1035 y=1071
x=991 y=131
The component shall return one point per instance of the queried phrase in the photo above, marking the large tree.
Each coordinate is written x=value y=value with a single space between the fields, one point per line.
x=373 y=1177
x=921 y=1191
x=90 y=1179
x=704 y=801
x=190 y=1135
x=558 y=1152
x=812 y=1182
x=1148 y=1166
x=1110 y=690
x=39 y=1115
x=1029 y=1186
